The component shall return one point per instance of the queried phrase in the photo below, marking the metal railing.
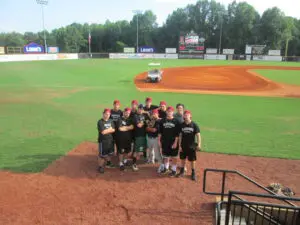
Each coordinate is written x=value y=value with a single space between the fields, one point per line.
x=261 y=212
x=224 y=172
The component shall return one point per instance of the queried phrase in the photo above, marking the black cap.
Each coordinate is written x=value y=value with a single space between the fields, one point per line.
x=140 y=106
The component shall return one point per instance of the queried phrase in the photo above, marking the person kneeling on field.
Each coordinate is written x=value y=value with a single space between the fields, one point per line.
x=106 y=127
x=187 y=146
x=124 y=137
x=140 y=140
x=168 y=140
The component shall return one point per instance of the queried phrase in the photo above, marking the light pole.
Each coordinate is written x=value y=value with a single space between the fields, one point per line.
x=90 y=40
x=42 y=3
x=137 y=13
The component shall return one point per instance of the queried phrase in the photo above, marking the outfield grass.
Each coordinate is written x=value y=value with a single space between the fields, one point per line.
x=48 y=107
x=287 y=76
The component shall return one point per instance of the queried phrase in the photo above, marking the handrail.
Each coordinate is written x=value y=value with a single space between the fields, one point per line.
x=224 y=172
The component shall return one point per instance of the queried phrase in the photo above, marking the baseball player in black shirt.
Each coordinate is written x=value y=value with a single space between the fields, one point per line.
x=162 y=112
x=106 y=127
x=116 y=113
x=152 y=138
x=187 y=145
x=140 y=140
x=124 y=129
x=168 y=140
x=148 y=105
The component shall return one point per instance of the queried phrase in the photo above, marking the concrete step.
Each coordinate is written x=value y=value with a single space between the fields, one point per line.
x=236 y=219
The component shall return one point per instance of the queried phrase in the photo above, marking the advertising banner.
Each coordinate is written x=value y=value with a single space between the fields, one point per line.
x=129 y=50
x=211 y=51
x=248 y=50
x=146 y=49
x=142 y=56
x=215 y=57
x=53 y=50
x=274 y=52
x=2 y=50
x=228 y=51
x=33 y=48
x=171 y=50
x=190 y=56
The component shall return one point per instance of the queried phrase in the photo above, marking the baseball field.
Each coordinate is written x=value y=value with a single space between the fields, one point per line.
x=248 y=113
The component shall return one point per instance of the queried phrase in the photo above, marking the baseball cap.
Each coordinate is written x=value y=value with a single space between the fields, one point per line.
x=148 y=99
x=170 y=108
x=187 y=112
x=116 y=102
x=141 y=106
x=106 y=111
x=155 y=111
x=163 y=103
x=134 y=102
x=127 y=109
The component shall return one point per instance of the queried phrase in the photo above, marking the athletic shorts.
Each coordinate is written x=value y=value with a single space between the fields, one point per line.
x=124 y=147
x=168 y=151
x=188 y=153
x=106 y=148
x=140 y=144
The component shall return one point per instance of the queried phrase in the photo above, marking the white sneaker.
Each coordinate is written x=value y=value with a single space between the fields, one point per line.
x=134 y=167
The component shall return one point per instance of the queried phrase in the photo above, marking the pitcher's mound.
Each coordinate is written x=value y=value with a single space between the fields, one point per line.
x=234 y=80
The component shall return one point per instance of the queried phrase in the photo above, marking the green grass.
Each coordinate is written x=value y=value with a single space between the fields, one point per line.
x=287 y=77
x=47 y=108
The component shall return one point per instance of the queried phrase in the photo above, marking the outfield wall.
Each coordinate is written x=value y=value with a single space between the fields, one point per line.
x=61 y=56
x=36 y=57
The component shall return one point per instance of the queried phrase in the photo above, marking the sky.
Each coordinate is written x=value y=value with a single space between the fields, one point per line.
x=26 y=15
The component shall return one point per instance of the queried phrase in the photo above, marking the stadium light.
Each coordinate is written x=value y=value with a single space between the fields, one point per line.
x=43 y=3
x=137 y=12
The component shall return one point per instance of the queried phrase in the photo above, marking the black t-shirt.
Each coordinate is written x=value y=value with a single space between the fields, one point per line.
x=169 y=130
x=140 y=131
x=132 y=114
x=162 y=114
x=151 y=108
x=116 y=115
x=188 y=132
x=153 y=124
x=123 y=136
x=103 y=125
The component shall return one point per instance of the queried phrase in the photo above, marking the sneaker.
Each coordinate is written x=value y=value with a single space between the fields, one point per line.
x=122 y=168
x=134 y=167
x=110 y=165
x=101 y=169
x=181 y=173
x=165 y=171
x=193 y=176
x=172 y=174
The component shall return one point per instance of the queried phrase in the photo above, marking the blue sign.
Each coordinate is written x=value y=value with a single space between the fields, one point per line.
x=33 y=48
x=147 y=49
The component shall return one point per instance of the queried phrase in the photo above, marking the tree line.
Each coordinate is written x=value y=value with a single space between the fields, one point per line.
x=238 y=24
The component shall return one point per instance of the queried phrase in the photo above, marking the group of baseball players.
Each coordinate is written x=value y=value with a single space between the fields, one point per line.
x=155 y=132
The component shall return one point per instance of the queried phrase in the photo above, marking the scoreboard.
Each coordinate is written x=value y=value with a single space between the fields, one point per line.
x=191 y=43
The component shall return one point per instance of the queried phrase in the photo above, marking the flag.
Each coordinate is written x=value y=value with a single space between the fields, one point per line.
x=90 y=38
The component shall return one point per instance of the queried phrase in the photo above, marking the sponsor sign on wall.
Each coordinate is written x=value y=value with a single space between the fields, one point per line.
x=190 y=56
x=147 y=49
x=33 y=48
x=215 y=57
x=248 y=49
x=211 y=51
x=274 y=52
x=171 y=50
x=142 y=56
x=228 y=51
x=267 y=58
x=129 y=50
x=53 y=50
x=2 y=50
